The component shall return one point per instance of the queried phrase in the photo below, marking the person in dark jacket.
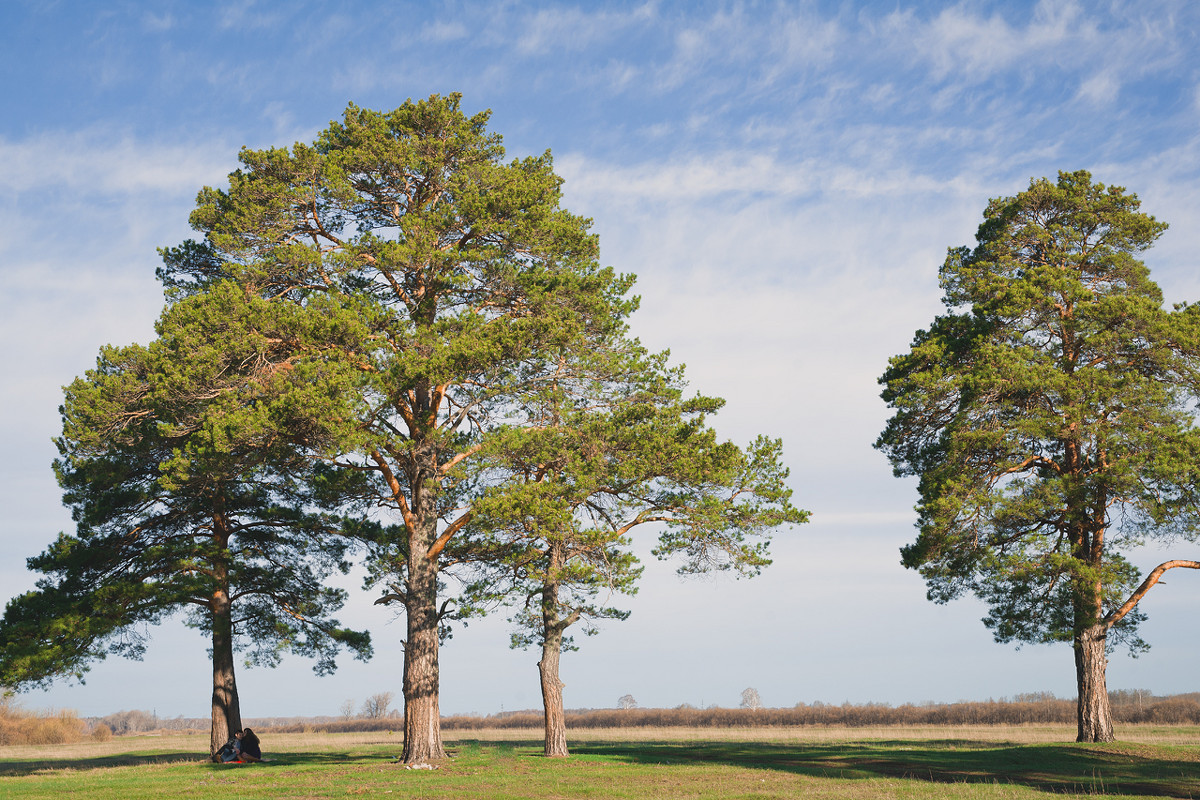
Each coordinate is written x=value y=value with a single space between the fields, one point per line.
x=230 y=750
x=242 y=749
x=250 y=747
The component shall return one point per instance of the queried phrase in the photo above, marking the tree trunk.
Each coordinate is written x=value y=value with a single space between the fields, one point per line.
x=1091 y=633
x=226 y=710
x=1094 y=715
x=422 y=716
x=552 y=696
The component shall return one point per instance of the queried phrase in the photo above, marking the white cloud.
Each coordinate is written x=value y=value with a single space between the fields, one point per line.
x=746 y=175
x=158 y=23
x=1100 y=89
x=959 y=42
x=249 y=14
x=571 y=29
x=100 y=162
x=803 y=40
x=443 y=31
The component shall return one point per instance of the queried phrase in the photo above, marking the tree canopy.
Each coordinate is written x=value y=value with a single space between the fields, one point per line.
x=464 y=271
x=183 y=465
x=1049 y=416
x=391 y=337
x=614 y=446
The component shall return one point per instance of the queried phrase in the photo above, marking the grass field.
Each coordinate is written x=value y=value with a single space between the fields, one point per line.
x=861 y=764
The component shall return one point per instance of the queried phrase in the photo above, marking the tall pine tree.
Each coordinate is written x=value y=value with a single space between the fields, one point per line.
x=184 y=467
x=1049 y=416
x=463 y=268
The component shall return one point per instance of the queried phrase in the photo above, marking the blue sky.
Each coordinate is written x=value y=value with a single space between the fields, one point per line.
x=784 y=178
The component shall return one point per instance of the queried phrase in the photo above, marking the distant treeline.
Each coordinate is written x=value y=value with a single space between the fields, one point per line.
x=1128 y=707
x=18 y=726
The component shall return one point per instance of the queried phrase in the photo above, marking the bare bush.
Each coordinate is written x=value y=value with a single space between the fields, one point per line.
x=1045 y=709
x=376 y=706
x=123 y=723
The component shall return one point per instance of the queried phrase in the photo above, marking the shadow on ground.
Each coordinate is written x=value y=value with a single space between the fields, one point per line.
x=15 y=768
x=32 y=766
x=1084 y=769
x=1113 y=769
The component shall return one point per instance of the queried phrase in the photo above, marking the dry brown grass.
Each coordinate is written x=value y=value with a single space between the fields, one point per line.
x=87 y=747
x=18 y=726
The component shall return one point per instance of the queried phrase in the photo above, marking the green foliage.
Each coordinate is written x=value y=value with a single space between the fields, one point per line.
x=461 y=267
x=464 y=275
x=1049 y=414
x=612 y=445
x=485 y=406
x=184 y=468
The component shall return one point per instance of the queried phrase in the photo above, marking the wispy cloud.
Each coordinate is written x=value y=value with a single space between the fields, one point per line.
x=1058 y=42
x=965 y=44
x=440 y=31
x=570 y=29
x=741 y=176
x=249 y=14
x=100 y=161
x=157 y=23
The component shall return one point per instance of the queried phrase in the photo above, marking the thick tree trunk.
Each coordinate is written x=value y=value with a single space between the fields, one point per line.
x=1091 y=631
x=552 y=696
x=1094 y=715
x=422 y=715
x=226 y=710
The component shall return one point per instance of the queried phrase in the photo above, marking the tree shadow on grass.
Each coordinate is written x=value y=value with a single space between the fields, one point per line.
x=17 y=768
x=1086 y=769
x=9 y=769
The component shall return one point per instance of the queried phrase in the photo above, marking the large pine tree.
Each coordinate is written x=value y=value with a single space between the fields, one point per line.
x=613 y=446
x=1050 y=418
x=184 y=465
x=464 y=270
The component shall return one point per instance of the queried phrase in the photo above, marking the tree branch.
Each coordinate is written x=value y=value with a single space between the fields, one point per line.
x=1117 y=615
x=397 y=491
x=439 y=544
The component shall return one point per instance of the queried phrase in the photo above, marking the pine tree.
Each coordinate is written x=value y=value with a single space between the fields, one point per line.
x=1049 y=418
x=182 y=465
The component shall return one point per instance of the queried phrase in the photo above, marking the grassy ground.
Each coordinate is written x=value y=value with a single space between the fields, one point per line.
x=859 y=764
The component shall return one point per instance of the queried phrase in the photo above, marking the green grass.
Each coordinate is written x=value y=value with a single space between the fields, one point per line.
x=662 y=764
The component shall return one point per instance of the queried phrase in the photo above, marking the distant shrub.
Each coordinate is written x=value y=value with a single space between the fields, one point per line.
x=18 y=726
x=1035 y=708
x=376 y=706
x=1174 y=711
x=1128 y=707
x=326 y=725
x=126 y=722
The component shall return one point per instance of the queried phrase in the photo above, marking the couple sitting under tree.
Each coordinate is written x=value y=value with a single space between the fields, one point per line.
x=242 y=748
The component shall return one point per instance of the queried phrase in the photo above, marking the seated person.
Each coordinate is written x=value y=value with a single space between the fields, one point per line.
x=244 y=748
x=250 y=750
x=231 y=749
